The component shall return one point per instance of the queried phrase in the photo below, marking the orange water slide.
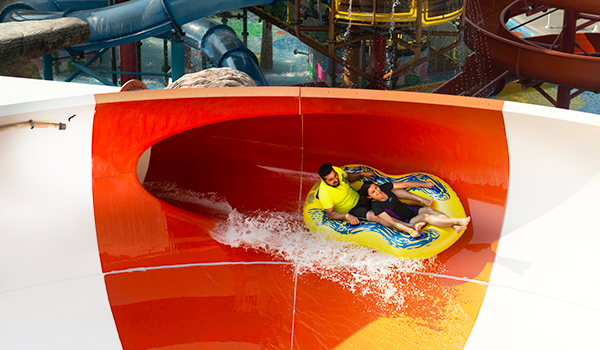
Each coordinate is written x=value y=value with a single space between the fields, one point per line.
x=171 y=284
x=94 y=256
x=502 y=54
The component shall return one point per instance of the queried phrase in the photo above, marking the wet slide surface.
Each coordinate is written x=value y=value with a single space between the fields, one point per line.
x=171 y=283
x=529 y=58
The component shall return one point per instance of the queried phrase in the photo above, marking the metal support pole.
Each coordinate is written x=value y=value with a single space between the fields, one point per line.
x=47 y=59
x=128 y=61
x=89 y=62
x=166 y=68
x=177 y=58
x=362 y=61
x=320 y=12
x=331 y=38
x=113 y=55
x=266 y=47
x=55 y=64
x=563 y=97
x=127 y=58
x=138 y=53
x=331 y=67
x=245 y=27
x=377 y=62
x=113 y=64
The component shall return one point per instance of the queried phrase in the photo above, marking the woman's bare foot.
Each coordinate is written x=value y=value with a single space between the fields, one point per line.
x=415 y=234
x=420 y=225
x=461 y=224
x=464 y=221
x=426 y=202
x=459 y=228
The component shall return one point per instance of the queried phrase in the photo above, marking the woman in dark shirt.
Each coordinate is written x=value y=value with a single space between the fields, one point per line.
x=409 y=218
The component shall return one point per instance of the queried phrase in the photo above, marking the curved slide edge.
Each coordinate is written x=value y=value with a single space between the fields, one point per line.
x=541 y=290
x=524 y=268
x=280 y=136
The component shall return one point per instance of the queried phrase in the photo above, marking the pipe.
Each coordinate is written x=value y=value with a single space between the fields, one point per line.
x=567 y=45
x=30 y=124
x=223 y=47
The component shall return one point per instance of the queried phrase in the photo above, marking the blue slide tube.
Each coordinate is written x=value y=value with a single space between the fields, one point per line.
x=221 y=44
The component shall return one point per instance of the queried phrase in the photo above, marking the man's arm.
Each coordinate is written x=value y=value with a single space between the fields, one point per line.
x=404 y=194
x=399 y=191
x=402 y=185
x=359 y=175
x=334 y=215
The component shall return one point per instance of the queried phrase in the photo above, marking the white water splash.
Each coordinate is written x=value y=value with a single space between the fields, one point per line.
x=348 y=27
x=169 y=191
x=285 y=237
x=347 y=36
x=390 y=55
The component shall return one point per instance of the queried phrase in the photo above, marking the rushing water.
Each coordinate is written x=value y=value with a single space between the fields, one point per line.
x=285 y=237
x=390 y=56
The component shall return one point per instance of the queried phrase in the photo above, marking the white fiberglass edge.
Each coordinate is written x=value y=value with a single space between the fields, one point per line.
x=544 y=286
x=72 y=314
x=21 y=90
x=52 y=290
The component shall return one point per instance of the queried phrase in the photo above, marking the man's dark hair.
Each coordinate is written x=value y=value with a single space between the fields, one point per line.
x=364 y=194
x=325 y=169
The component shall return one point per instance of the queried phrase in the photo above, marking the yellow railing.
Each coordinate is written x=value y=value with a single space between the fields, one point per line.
x=379 y=12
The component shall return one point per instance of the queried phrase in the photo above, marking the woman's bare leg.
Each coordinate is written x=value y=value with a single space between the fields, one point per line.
x=437 y=218
x=372 y=217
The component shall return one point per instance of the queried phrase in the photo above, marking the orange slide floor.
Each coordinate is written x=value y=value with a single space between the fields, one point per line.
x=170 y=283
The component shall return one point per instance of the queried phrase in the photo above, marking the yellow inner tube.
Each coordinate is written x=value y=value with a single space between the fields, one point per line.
x=433 y=239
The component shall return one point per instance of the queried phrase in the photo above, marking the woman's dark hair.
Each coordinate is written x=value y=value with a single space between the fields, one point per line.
x=325 y=170
x=364 y=194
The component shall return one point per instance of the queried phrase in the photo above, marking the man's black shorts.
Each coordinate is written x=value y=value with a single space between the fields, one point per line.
x=360 y=211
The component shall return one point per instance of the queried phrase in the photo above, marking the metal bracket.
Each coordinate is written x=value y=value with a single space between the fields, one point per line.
x=175 y=26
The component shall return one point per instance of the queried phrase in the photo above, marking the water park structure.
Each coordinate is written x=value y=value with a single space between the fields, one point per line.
x=563 y=59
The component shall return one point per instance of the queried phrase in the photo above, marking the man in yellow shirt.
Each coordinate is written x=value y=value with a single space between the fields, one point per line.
x=339 y=200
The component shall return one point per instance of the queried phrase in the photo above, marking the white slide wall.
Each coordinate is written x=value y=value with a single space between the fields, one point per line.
x=52 y=290
x=544 y=287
